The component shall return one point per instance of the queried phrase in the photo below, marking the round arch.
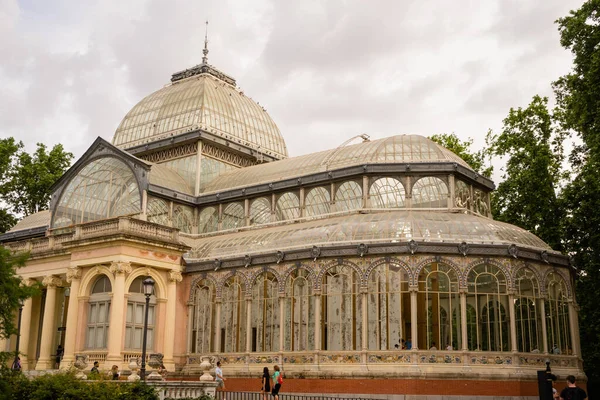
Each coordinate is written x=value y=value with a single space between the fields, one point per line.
x=231 y=274
x=567 y=282
x=160 y=286
x=324 y=268
x=286 y=275
x=196 y=280
x=502 y=267
x=89 y=279
x=256 y=273
x=440 y=260
x=387 y=260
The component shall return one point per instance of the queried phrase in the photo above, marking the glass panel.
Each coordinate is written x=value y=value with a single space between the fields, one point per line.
x=287 y=207
x=480 y=202
x=158 y=211
x=204 y=317
x=462 y=193
x=260 y=211
x=104 y=188
x=299 y=308
x=265 y=314
x=527 y=316
x=233 y=316
x=211 y=169
x=317 y=202
x=186 y=167
x=558 y=328
x=183 y=217
x=348 y=196
x=430 y=192
x=233 y=216
x=208 y=220
x=102 y=285
x=387 y=193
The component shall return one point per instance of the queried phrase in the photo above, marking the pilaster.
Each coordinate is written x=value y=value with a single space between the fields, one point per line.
x=48 y=327
x=120 y=269
x=74 y=278
x=169 y=343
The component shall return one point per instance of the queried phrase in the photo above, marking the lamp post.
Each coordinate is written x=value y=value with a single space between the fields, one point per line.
x=16 y=363
x=148 y=286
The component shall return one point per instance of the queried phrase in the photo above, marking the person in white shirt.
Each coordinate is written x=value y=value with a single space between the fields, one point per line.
x=220 y=379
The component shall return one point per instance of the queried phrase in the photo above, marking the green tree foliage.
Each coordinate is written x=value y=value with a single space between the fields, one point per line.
x=27 y=189
x=475 y=159
x=578 y=98
x=12 y=291
x=532 y=144
x=9 y=149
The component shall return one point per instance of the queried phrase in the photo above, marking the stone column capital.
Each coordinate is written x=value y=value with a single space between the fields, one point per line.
x=175 y=276
x=52 y=281
x=73 y=273
x=120 y=267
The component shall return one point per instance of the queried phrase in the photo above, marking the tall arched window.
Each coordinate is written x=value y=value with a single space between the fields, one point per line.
x=233 y=216
x=208 y=220
x=287 y=207
x=388 y=307
x=317 y=202
x=558 y=328
x=265 y=314
x=438 y=294
x=487 y=294
x=299 y=321
x=203 y=318
x=98 y=314
x=527 y=316
x=260 y=211
x=348 y=196
x=341 y=315
x=134 y=324
x=183 y=218
x=157 y=211
x=387 y=193
x=233 y=316
x=430 y=192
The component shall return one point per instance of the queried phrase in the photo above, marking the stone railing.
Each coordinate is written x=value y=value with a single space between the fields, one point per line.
x=183 y=390
x=60 y=238
x=93 y=356
x=128 y=355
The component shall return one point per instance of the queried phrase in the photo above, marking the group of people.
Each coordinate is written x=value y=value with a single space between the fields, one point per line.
x=403 y=344
x=270 y=384
x=114 y=371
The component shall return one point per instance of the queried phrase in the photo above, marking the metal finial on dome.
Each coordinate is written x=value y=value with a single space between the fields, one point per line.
x=205 y=51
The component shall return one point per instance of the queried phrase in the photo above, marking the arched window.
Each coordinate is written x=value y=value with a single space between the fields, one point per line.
x=203 y=318
x=104 y=188
x=430 y=192
x=341 y=318
x=233 y=216
x=387 y=193
x=487 y=294
x=558 y=328
x=462 y=195
x=208 y=220
x=348 y=196
x=233 y=316
x=527 y=315
x=299 y=321
x=265 y=314
x=438 y=294
x=317 y=202
x=136 y=308
x=157 y=211
x=287 y=207
x=388 y=308
x=260 y=211
x=98 y=314
x=183 y=218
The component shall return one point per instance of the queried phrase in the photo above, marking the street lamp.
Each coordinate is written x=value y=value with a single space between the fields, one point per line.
x=16 y=363
x=148 y=286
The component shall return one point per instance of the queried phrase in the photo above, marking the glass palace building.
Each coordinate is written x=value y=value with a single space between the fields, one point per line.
x=371 y=261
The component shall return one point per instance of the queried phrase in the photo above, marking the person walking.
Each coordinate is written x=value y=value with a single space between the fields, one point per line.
x=277 y=382
x=220 y=379
x=266 y=383
x=572 y=391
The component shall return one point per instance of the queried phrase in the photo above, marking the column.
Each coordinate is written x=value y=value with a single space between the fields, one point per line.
x=25 y=333
x=73 y=277
x=365 y=321
x=117 y=312
x=281 y=320
x=217 y=348
x=542 y=307
x=413 y=317
x=248 y=323
x=513 y=323
x=365 y=194
x=463 y=320
x=169 y=343
x=574 y=329
x=317 y=294
x=48 y=329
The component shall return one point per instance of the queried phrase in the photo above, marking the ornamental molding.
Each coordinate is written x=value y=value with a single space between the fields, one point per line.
x=120 y=267
x=175 y=276
x=226 y=156
x=73 y=273
x=172 y=153
x=52 y=281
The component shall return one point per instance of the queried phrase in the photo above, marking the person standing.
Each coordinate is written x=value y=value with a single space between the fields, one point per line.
x=115 y=373
x=277 y=382
x=266 y=383
x=572 y=392
x=94 y=369
x=220 y=379
x=59 y=355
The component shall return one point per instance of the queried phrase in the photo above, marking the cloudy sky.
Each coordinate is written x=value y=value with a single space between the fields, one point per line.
x=325 y=70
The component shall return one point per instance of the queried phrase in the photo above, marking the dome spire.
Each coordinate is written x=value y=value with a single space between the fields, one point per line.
x=205 y=51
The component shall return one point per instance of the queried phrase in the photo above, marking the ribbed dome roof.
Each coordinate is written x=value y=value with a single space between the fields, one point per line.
x=201 y=98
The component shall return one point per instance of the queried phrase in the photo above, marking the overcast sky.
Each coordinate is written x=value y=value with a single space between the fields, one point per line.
x=325 y=70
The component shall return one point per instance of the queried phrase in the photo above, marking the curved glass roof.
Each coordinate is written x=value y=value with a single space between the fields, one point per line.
x=161 y=175
x=394 y=149
x=201 y=101
x=385 y=226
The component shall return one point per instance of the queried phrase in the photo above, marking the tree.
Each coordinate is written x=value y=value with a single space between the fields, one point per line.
x=9 y=149
x=27 y=189
x=528 y=195
x=476 y=160
x=12 y=291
